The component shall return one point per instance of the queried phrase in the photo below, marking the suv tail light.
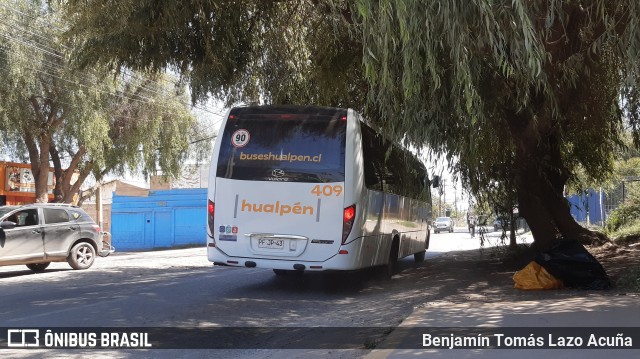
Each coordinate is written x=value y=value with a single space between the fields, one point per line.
x=348 y=217
x=96 y=228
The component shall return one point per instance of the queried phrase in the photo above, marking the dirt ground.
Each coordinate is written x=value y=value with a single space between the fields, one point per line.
x=496 y=266
x=620 y=259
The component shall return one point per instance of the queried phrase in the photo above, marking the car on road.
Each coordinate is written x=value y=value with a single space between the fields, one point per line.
x=442 y=224
x=40 y=233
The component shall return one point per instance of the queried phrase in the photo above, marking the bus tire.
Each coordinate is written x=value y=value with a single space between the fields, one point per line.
x=286 y=272
x=419 y=257
x=392 y=264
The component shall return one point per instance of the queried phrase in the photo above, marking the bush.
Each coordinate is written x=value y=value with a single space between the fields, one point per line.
x=630 y=279
x=624 y=216
x=628 y=233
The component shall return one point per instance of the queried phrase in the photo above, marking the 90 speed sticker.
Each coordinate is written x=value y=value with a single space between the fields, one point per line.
x=240 y=138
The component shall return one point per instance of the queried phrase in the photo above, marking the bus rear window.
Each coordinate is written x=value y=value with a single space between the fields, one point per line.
x=283 y=147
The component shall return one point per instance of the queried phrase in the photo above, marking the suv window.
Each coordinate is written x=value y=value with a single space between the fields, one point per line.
x=27 y=217
x=55 y=215
x=80 y=215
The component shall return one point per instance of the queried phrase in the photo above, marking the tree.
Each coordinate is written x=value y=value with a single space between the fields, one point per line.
x=240 y=51
x=522 y=94
x=90 y=121
x=544 y=83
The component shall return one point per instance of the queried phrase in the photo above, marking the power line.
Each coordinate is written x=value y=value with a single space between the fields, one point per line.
x=29 y=45
x=53 y=53
x=140 y=98
x=13 y=25
x=56 y=67
x=103 y=91
x=136 y=119
x=202 y=139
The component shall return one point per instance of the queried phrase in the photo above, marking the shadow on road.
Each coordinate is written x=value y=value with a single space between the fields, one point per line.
x=28 y=272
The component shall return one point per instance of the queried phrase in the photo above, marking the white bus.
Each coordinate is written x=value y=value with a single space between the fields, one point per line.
x=302 y=188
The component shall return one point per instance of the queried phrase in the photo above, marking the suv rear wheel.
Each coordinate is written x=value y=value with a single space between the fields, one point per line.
x=81 y=256
x=38 y=267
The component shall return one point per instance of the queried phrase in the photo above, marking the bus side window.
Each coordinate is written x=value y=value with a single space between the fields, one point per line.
x=373 y=158
x=390 y=168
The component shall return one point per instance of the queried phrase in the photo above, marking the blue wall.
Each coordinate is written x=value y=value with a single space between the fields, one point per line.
x=588 y=204
x=164 y=219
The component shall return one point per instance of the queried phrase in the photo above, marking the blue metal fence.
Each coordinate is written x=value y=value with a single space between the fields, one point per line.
x=164 y=219
x=588 y=207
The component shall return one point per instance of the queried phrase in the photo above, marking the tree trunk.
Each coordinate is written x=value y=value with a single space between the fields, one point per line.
x=512 y=231
x=544 y=207
x=39 y=146
x=57 y=173
x=72 y=189
x=540 y=177
x=39 y=166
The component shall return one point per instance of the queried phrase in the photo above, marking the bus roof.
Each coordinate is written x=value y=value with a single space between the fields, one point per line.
x=286 y=109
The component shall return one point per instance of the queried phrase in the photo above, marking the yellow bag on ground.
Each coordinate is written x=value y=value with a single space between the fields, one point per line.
x=535 y=277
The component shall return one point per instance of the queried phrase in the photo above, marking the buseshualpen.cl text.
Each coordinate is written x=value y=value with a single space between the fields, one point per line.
x=96 y=340
x=532 y=341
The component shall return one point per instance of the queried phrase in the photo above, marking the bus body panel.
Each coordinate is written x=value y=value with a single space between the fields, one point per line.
x=211 y=191
x=388 y=215
x=277 y=220
x=354 y=186
x=248 y=208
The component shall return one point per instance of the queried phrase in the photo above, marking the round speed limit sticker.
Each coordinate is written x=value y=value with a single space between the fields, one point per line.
x=240 y=138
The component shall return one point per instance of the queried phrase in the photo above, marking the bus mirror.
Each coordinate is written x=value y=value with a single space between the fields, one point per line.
x=435 y=183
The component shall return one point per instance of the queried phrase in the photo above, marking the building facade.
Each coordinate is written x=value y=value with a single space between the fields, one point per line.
x=17 y=184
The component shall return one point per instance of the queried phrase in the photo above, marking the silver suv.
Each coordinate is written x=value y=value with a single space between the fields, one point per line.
x=40 y=233
x=442 y=224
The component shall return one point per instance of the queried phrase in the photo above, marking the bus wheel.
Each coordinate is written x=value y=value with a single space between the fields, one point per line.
x=285 y=272
x=419 y=257
x=280 y=272
x=391 y=267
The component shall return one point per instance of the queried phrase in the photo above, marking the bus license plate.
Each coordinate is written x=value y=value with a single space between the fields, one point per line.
x=271 y=243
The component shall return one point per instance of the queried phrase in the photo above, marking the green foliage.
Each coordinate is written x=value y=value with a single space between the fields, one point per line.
x=630 y=279
x=97 y=121
x=460 y=74
x=519 y=96
x=628 y=168
x=241 y=51
x=625 y=219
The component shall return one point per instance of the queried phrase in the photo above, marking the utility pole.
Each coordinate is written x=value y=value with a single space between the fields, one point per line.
x=443 y=211
x=455 y=197
x=440 y=193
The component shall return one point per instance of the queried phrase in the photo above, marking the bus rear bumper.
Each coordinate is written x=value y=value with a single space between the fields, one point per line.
x=338 y=262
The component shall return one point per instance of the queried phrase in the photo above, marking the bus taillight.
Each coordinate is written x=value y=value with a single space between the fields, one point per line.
x=211 y=209
x=347 y=221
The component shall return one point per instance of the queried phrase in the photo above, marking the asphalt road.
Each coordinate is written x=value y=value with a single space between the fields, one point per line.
x=180 y=288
